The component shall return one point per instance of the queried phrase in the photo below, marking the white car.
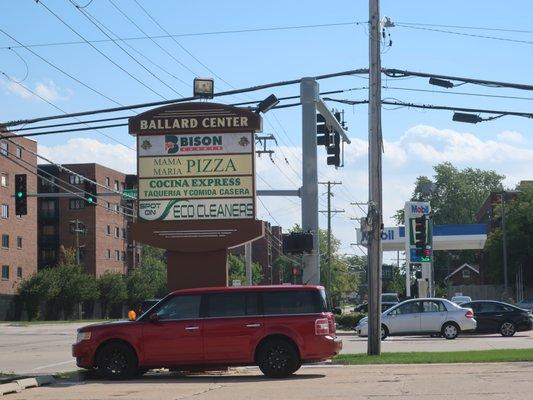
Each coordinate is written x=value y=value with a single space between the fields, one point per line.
x=422 y=317
x=461 y=299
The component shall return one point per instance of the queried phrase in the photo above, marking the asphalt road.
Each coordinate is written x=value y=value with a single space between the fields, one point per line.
x=46 y=348
x=498 y=381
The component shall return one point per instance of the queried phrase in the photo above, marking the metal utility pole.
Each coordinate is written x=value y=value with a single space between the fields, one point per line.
x=375 y=189
x=77 y=231
x=248 y=263
x=330 y=212
x=309 y=192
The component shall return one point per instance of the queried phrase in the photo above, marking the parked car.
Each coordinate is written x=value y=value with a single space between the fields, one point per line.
x=461 y=299
x=526 y=304
x=503 y=318
x=275 y=327
x=422 y=317
x=387 y=301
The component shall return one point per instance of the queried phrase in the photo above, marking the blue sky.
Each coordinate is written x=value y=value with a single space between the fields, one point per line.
x=415 y=140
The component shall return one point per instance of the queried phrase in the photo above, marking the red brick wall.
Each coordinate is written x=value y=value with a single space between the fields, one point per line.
x=25 y=226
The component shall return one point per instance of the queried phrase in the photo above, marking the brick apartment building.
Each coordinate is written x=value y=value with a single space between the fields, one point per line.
x=102 y=234
x=18 y=250
x=265 y=251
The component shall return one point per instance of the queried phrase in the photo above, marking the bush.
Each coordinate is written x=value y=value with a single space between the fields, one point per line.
x=349 y=320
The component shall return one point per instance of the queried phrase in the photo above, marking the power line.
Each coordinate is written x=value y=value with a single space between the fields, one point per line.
x=465 y=34
x=62 y=71
x=156 y=43
x=437 y=107
x=227 y=32
x=457 y=93
x=99 y=51
x=97 y=24
x=481 y=28
x=63 y=111
x=64 y=131
x=184 y=99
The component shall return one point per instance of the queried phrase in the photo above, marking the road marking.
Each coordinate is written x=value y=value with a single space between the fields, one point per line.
x=53 y=365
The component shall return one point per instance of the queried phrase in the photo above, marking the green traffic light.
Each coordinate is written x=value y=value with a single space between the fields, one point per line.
x=19 y=194
x=90 y=199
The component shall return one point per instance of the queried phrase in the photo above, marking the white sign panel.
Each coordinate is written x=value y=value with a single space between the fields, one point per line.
x=196 y=209
x=227 y=143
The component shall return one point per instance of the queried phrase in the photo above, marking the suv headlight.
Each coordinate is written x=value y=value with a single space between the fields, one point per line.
x=83 y=336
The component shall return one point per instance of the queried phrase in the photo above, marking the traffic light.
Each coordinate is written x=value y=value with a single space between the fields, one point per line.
x=323 y=132
x=21 y=203
x=334 y=151
x=421 y=235
x=90 y=193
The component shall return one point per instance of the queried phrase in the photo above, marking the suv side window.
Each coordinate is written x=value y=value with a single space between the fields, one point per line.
x=291 y=302
x=218 y=305
x=180 y=307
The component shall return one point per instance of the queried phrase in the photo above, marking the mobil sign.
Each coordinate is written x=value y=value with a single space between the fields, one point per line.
x=388 y=235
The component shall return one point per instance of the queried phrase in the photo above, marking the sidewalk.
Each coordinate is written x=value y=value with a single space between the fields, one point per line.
x=509 y=381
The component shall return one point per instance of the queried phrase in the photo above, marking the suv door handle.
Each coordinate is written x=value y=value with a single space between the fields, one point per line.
x=253 y=325
x=192 y=328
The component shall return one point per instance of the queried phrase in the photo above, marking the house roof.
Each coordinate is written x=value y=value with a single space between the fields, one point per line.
x=465 y=265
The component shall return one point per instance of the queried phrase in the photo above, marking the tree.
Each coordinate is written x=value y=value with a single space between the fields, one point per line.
x=519 y=235
x=150 y=279
x=455 y=197
x=33 y=290
x=237 y=270
x=112 y=289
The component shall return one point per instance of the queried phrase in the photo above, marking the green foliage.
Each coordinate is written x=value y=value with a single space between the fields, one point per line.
x=519 y=235
x=33 y=290
x=349 y=320
x=237 y=270
x=149 y=280
x=113 y=290
x=397 y=285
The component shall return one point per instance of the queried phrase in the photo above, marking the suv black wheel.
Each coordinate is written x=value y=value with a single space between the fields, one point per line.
x=507 y=329
x=450 y=330
x=116 y=361
x=278 y=358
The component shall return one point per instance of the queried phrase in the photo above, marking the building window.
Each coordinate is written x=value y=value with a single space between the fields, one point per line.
x=123 y=256
x=107 y=182
x=48 y=254
x=48 y=230
x=116 y=185
x=117 y=232
x=18 y=152
x=108 y=205
x=117 y=207
x=4 y=180
x=19 y=242
x=122 y=186
x=117 y=255
x=82 y=252
x=108 y=253
x=108 y=229
x=5 y=272
x=124 y=233
x=466 y=273
x=19 y=272
x=5 y=241
x=4 y=211
x=48 y=208
x=75 y=179
x=76 y=204
x=4 y=148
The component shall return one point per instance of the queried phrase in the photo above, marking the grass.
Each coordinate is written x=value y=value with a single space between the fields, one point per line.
x=478 y=356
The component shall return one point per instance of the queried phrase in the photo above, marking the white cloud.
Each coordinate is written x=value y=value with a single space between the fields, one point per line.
x=48 y=90
x=84 y=150
x=511 y=136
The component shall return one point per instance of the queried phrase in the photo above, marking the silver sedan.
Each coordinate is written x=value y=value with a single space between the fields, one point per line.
x=422 y=317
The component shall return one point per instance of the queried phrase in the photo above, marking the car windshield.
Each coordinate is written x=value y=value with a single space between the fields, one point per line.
x=389 y=298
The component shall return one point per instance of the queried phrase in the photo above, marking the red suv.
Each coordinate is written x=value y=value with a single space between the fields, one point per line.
x=275 y=327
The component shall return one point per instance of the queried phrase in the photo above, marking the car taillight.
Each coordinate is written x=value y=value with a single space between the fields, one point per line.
x=322 y=326
x=331 y=320
x=469 y=314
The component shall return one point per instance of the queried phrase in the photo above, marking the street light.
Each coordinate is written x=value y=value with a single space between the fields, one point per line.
x=441 y=82
x=267 y=104
x=468 y=118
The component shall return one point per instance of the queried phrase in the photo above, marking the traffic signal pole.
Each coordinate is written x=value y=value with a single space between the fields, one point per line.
x=309 y=192
x=375 y=183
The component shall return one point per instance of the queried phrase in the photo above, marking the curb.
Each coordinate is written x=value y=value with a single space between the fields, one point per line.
x=19 y=385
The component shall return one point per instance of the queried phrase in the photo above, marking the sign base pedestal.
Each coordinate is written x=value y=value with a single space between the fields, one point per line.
x=192 y=270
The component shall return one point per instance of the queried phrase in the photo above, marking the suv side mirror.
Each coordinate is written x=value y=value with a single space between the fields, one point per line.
x=132 y=315
x=154 y=318
x=337 y=311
